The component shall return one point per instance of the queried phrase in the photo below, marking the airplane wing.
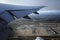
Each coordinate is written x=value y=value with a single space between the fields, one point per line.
x=7 y=11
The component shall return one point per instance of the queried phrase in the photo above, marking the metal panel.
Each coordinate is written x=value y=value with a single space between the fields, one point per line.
x=6 y=16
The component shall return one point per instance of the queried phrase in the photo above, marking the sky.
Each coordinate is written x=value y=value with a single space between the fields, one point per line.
x=51 y=4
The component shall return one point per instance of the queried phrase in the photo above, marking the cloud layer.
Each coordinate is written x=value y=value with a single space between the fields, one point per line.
x=52 y=4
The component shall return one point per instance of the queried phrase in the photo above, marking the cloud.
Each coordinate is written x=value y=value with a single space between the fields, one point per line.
x=22 y=2
x=52 y=4
x=4 y=1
